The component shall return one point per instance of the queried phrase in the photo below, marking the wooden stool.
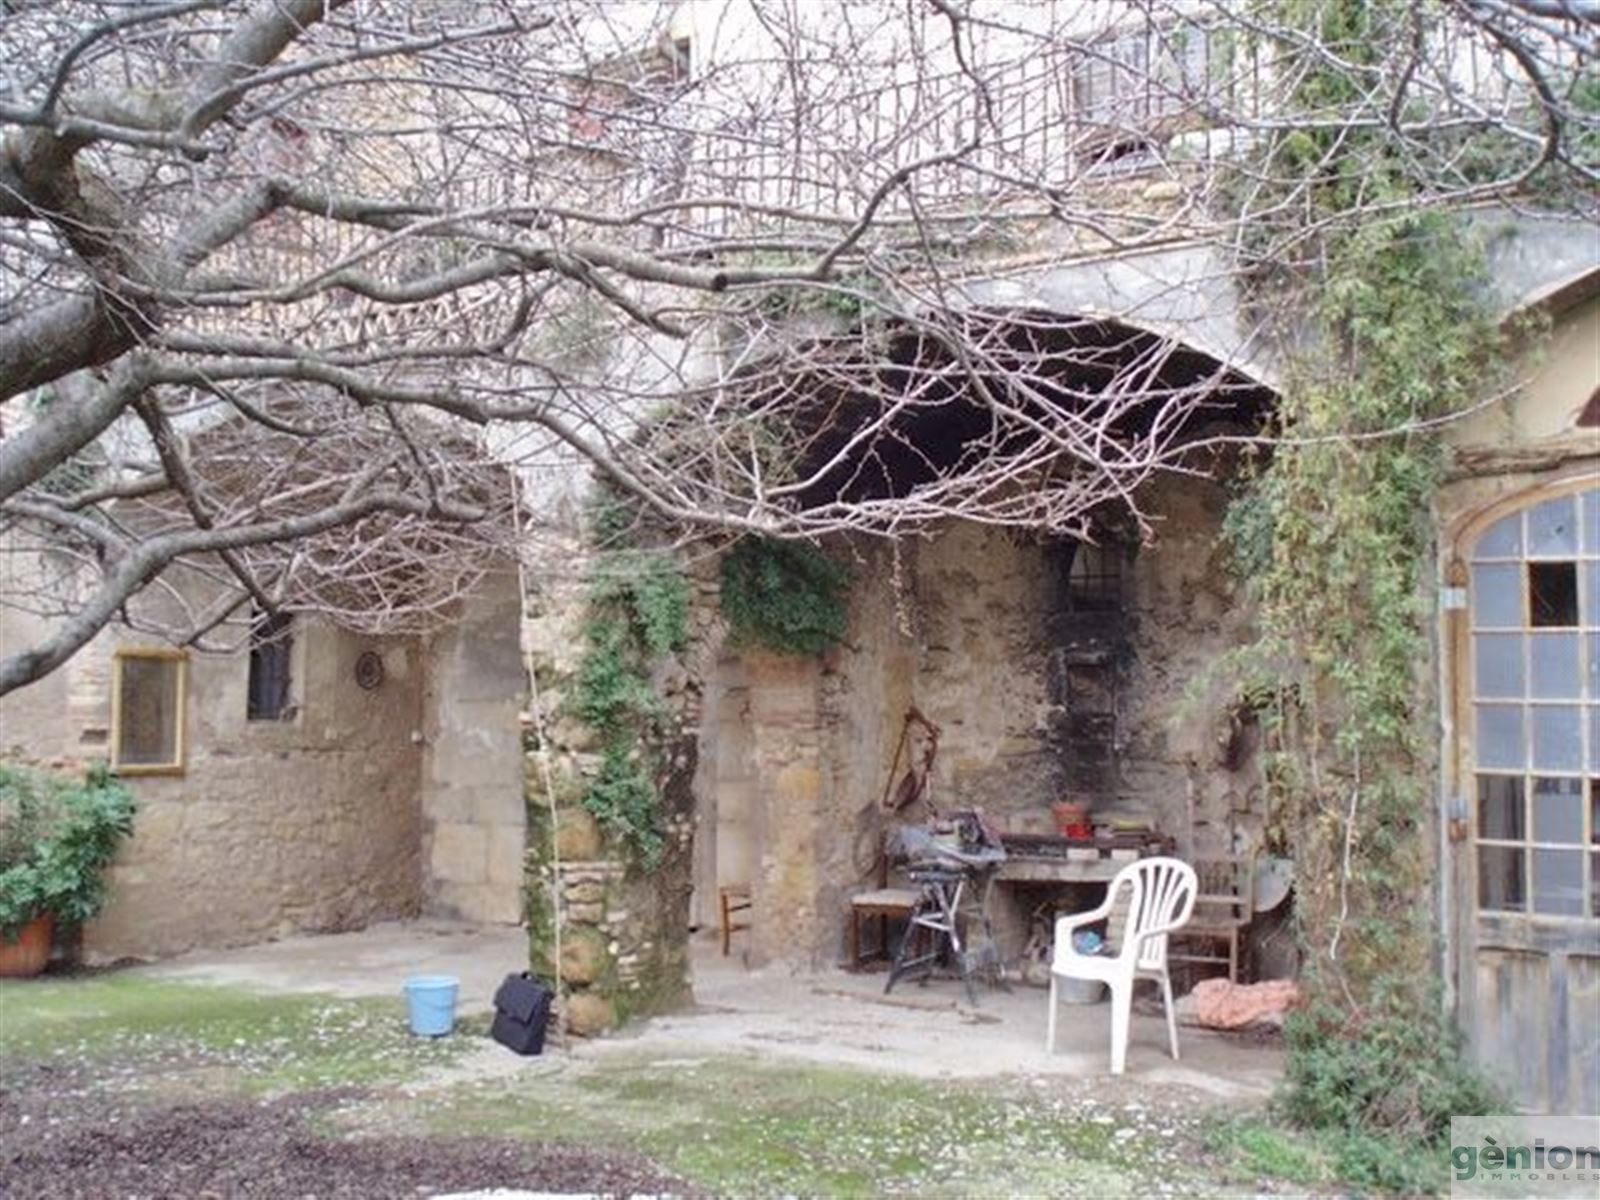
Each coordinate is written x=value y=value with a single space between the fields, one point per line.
x=733 y=898
x=883 y=903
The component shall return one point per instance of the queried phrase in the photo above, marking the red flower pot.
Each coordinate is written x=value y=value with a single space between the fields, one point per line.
x=1072 y=818
x=28 y=954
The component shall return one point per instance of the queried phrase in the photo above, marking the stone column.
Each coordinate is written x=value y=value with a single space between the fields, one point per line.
x=786 y=719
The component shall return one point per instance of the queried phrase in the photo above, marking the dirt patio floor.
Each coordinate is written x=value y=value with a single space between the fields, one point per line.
x=828 y=1017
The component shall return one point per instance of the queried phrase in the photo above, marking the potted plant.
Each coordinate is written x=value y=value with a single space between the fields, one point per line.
x=57 y=836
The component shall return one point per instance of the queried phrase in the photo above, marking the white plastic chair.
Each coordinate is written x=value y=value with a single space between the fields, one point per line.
x=1163 y=897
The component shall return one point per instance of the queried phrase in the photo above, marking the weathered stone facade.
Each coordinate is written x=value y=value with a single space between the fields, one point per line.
x=975 y=627
x=359 y=805
x=274 y=826
x=473 y=824
x=611 y=932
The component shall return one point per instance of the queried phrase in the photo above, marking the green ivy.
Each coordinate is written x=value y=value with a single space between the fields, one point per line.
x=1333 y=534
x=783 y=595
x=611 y=519
x=623 y=798
x=637 y=612
x=57 y=836
x=646 y=588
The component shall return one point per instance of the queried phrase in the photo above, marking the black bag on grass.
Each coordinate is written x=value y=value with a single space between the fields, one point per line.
x=521 y=1010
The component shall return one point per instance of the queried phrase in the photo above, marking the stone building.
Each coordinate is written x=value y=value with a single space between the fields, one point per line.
x=394 y=777
x=319 y=780
x=1056 y=669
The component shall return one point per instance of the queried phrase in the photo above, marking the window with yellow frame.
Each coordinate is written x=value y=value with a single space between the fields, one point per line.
x=149 y=698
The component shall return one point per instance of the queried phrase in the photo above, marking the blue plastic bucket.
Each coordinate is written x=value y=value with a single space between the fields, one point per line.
x=431 y=1002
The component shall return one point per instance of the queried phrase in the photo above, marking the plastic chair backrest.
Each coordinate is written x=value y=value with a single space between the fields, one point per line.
x=1164 y=890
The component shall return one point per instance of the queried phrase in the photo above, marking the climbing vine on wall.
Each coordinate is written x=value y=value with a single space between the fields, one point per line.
x=1334 y=536
x=636 y=613
x=783 y=595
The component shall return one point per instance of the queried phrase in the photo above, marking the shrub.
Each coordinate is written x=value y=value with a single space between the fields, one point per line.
x=638 y=607
x=784 y=596
x=57 y=835
x=1349 y=1080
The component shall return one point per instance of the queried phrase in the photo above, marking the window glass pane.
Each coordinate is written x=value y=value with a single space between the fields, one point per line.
x=1552 y=593
x=1592 y=666
x=1498 y=664
x=1501 y=882
x=1594 y=811
x=1500 y=808
x=1503 y=539
x=1500 y=737
x=1558 y=882
x=147 y=731
x=1555 y=666
x=1594 y=885
x=1557 y=744
x=1591 y=593
x=1591 y=520
x=1594 y=737
x=1497 y=596
x=1558 y=810
x=1553 y=528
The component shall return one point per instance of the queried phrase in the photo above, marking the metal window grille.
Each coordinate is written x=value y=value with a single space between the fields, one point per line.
x=271 y=642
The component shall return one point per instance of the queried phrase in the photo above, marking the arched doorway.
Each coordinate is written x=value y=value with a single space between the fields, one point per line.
x=1528 y=833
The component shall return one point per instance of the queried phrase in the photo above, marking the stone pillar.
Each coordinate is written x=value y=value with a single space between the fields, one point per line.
x=612 y=933
x=785 y=716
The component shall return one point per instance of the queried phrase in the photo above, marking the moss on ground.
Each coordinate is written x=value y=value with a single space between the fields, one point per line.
x=1253 y=1148
x=731 y=1124
x=1257 y=1149
x=737 y=1126
x=233 y=1037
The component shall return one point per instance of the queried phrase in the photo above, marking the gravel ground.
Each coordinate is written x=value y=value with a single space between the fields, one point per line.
x=59 y=1138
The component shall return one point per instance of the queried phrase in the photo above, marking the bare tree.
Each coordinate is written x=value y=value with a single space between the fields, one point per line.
x=283 y=279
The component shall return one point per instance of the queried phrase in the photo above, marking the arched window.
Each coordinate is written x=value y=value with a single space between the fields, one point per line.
x=1535 y=672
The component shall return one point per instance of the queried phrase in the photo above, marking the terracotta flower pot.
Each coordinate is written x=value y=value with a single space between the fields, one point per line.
x=30 y=951
x=1072 y=818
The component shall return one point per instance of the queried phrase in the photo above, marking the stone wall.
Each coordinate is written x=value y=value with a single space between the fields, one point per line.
x=612 y=932
x=473 y=825
x=309 y=823
x=360 y=805
x=976 y=637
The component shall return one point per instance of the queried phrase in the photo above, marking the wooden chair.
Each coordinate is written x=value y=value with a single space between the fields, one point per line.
x=733 y=898
x=885 y=904
x=1222 y=914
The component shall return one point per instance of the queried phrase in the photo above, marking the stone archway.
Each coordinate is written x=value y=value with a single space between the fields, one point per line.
x=985 y=630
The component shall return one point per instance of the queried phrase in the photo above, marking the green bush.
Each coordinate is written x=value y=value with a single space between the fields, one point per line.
x=57 y=835
x=784 y=596
x=647 y=590
x=1350 y=1080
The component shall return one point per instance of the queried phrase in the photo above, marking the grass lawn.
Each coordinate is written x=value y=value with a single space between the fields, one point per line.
x=342 y=1081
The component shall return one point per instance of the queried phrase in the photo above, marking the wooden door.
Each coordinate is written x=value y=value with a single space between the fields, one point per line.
x=1529 y=939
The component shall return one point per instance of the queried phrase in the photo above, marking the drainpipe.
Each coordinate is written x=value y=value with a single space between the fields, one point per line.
x=1452 y=601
